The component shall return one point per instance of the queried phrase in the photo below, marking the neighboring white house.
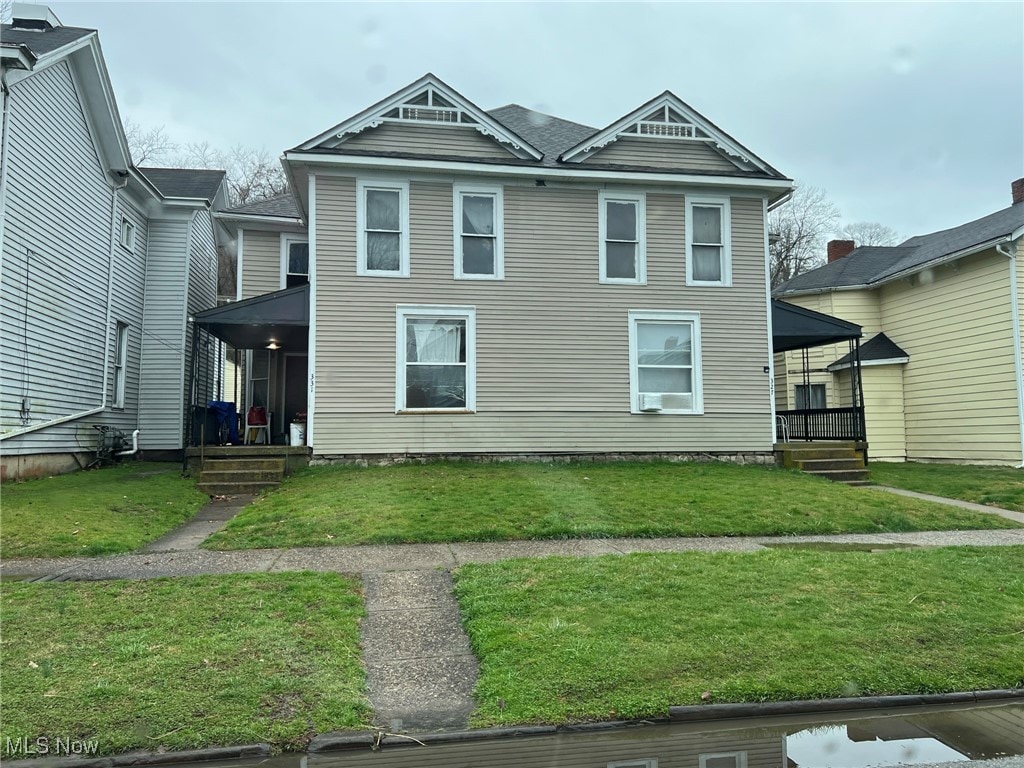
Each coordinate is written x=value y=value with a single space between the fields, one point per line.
x=102 y=262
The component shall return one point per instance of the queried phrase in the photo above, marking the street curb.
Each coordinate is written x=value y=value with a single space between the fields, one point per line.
x=145 y=758
x=334 y=742
x=812 y=706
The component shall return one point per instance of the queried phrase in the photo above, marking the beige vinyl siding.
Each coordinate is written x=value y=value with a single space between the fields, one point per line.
x=426 y=140
x=552 y=343
x=672 y=747
x=789 y=365
x=261 y=263
x=662 y=153
x=883 y=409
x=960 y=385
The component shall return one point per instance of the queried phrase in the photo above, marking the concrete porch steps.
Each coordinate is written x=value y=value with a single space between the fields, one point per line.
x=840 y=462
x=243 y=470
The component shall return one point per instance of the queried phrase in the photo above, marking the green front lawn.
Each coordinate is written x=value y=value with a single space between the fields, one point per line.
x=994 y=486
x=99 y=512
x=490 y=502
x=565 y=639
x=182 y=663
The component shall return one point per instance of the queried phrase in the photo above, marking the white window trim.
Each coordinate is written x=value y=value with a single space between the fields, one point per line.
x=286 y=241
x=127 y=237
x=740 y=757
x=402 y=187
x=405 y=311
x=634 y=376
x=725 y=205
x=640 y=199
x=120 y=364
x=497 y=193
x=646 y=762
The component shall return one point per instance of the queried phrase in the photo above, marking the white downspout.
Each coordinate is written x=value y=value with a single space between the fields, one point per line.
x=771 y=330
x=106 y=328
x=1018 y=363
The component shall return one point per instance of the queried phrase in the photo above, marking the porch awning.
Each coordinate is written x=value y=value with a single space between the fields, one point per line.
x=281 y=317
x=794 y=327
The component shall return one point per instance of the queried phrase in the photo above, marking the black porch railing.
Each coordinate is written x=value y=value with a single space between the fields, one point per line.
x=825 y=423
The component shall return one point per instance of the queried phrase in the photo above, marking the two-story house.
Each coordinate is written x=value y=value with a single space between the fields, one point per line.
x=508 y=282
x=942 y=362
x=102 y=262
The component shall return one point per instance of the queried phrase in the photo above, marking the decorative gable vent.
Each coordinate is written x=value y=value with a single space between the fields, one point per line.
x=428 y=107
x=666 y=123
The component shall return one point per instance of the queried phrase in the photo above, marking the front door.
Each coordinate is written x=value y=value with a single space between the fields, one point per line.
x=296 y=378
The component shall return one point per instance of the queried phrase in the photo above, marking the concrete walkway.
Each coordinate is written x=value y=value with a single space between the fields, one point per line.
x=208 y=520
x=1009 y=514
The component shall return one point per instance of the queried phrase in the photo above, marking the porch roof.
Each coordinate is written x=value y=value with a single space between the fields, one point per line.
x=795 y=327
x=281 y=317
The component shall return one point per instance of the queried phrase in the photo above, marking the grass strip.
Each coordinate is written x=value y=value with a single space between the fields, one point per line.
x=440 y=502
x=99 y=512
x=563 y=639
x=182 y=663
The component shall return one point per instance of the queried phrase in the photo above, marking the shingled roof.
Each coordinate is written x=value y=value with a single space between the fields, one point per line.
x=871 y=265
x=192 y=183
x=41 y=41
x=551 y=135
x=877 y=349
x=283 y=206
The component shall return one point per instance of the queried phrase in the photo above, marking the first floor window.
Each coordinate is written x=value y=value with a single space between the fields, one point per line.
x=120 y=363
x=724 y=760
x=382 y=221
x=665 y=371
x=478 y=233
x=295 y=253
x=622 y=232
x=708 y=260
x=810 y=396
x=436 y=358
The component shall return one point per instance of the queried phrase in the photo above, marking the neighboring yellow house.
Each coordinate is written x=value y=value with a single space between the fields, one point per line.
x=941 y=364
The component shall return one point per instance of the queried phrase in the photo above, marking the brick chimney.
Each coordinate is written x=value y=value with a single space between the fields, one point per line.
x=1017 y=191
x=837 y=249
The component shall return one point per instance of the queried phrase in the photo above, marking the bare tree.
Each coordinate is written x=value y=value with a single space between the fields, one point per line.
x=800 y=229
x=871 y=233
x=149 y=146
x=6 y=11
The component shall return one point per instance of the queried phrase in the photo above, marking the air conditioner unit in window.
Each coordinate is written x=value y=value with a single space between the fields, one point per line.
x=650 y=403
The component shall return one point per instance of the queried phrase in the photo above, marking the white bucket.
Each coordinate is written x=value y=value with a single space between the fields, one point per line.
x=297 y=430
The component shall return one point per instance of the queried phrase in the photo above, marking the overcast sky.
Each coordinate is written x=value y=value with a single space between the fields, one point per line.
x=908 y=114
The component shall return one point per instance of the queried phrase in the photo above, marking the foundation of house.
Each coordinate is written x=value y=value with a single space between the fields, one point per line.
x=13 y=468
x=388 y=459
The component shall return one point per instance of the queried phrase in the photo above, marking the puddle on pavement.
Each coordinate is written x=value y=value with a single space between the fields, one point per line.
x=916 y=736
x=839 y=546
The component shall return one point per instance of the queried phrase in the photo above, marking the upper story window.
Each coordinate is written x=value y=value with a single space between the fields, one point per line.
x=479 y=233
x=294 y=261
x=436 y=358
x=127 y=234
x=622 y=230
x=382 y=221
x=665 y=362
x=708 y=242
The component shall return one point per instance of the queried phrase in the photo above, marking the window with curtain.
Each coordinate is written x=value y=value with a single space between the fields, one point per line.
x=622 y=234
x=297 y=266
x=383 y=228
x=478 y=233
x=810 y=396
x=707 y=242
x=437 y=358
x=664 y=352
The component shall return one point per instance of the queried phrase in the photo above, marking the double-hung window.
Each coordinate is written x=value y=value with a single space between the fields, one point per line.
x=810 y=396
x=622 y=231
x=479 y=246
x=382 y=228
x=294 y=261
x=436 y=358
x=708 y=242
x=665 y=362
x=120 y=364
x=127 y=234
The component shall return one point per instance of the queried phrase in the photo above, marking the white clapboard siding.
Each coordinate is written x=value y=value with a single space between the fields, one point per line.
x=552 y=342
x=56 y=248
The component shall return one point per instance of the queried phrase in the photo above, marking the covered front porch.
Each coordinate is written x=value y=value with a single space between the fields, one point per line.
x=266 y=371
x=796 y=328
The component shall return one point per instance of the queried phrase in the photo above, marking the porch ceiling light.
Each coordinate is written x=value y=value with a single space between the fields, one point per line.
x=273 y=345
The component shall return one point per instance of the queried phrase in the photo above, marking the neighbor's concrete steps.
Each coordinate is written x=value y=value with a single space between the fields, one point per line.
x=243 y=475
x=839 y=462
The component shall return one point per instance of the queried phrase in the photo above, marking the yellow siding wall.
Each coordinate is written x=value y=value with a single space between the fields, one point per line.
x=552 y=343
x=960 y=385
x=883 y=409
x=788 y=365
x=261 y=263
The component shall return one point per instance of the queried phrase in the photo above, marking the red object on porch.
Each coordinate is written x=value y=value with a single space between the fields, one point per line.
x=257 y=416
